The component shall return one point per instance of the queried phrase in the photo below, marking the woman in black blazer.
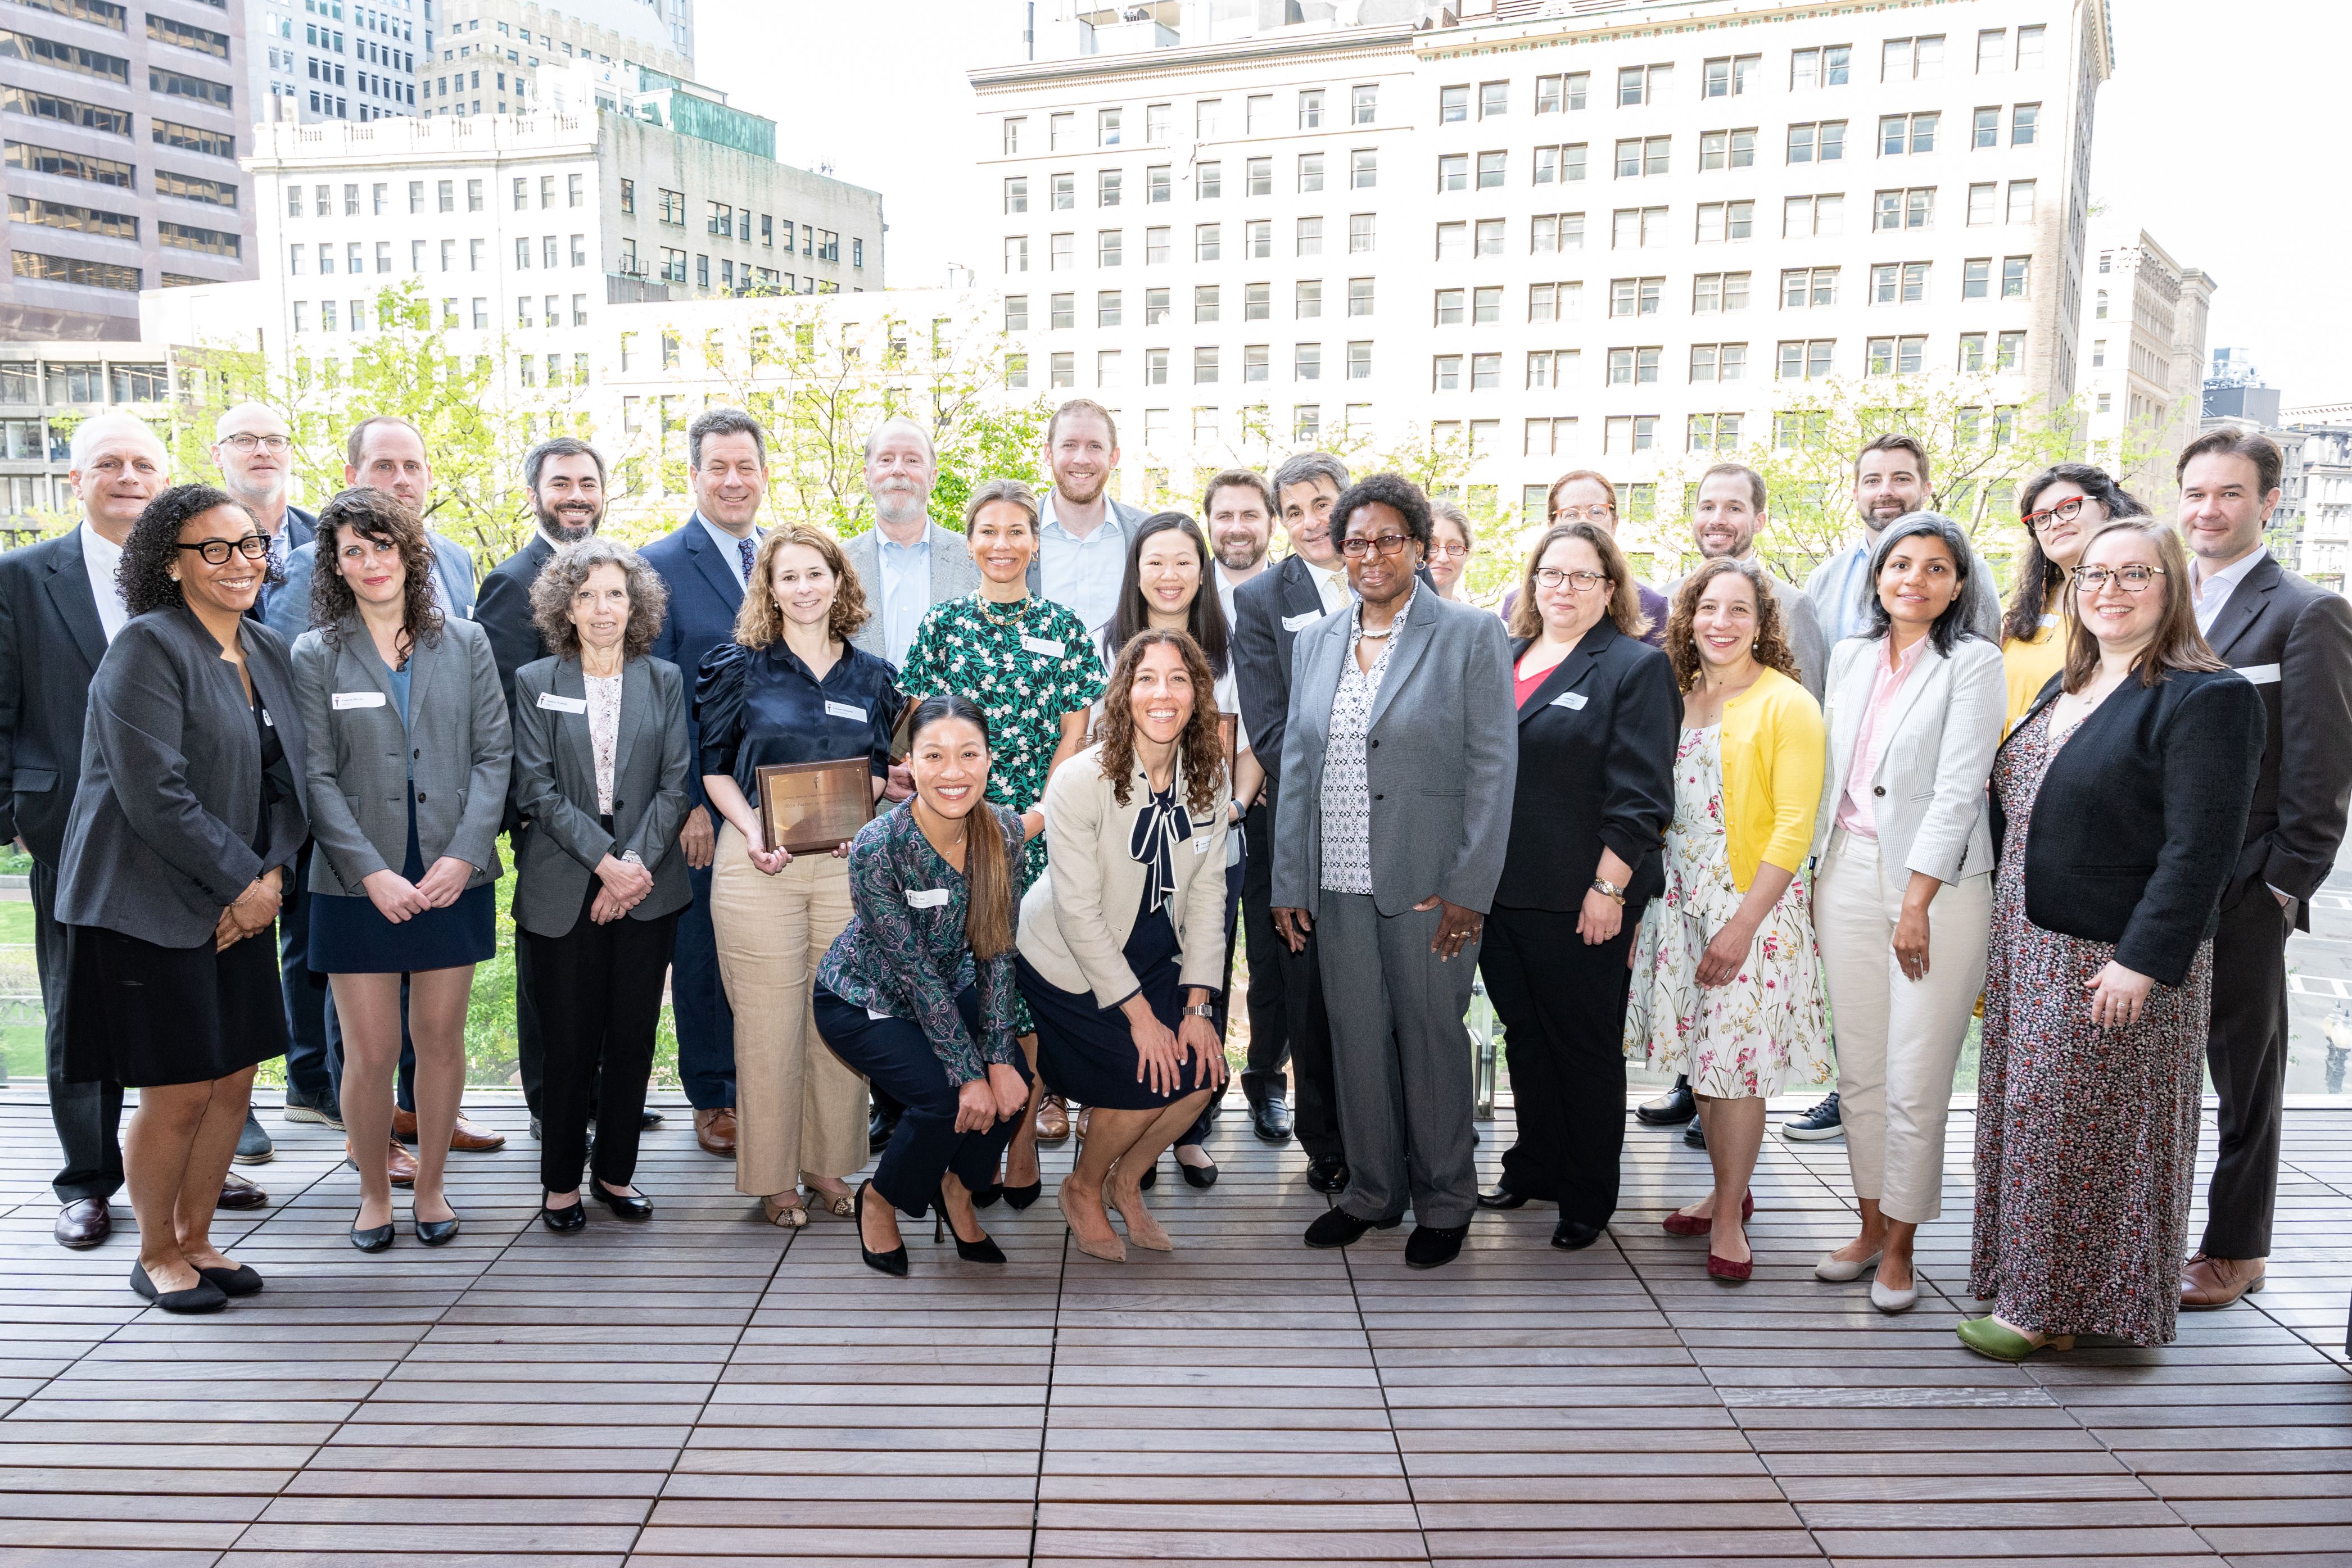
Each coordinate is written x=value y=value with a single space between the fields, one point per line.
x=1600 y=712
x=175 y=859
x=2118 y=805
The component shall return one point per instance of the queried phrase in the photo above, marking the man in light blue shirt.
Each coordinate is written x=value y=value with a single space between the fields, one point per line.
x=1890 y=482
x=906 y=563
x=1083 y=534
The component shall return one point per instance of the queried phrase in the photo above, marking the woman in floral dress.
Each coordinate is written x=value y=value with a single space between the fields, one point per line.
x=1030 y=665
x=1727 y=981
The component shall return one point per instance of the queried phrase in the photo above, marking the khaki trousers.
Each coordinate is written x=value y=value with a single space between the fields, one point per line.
x=797 y=1108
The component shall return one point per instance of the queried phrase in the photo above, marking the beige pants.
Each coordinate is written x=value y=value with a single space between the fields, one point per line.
x=797 y=1108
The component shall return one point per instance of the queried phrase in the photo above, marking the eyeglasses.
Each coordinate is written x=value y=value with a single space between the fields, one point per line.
x=2090 y=579
x=1386 y=544
x=2065 y=511
x=1448 y=552
x=1581 y=582
x=1602 y=513
x=273 y=444
x=253 y=547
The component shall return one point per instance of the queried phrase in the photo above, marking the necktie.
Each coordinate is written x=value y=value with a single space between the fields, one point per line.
x=743 y=552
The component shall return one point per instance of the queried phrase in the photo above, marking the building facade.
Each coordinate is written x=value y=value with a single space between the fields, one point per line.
x=2141 y=382
x=500 y=56
x=2325 y=547
x=48 y=388
x=122 y=126
x=336 y=59
x=1576 y=234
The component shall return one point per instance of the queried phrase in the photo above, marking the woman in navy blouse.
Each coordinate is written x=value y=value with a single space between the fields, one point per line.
x=917 y=993
x=789 y=689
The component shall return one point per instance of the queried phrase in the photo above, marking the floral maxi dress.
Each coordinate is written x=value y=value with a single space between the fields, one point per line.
x=1741 y=1040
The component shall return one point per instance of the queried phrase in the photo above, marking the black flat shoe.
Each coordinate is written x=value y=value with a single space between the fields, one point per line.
x=637 y=1206
x=204 y=1296
x=1023 y=1196
x=562 y=1221
x=437 y=1232
x=1203 y=1176
x=1270 y=1120
x=984 y=1250
x=1574 y=1234
x=1327 y=1172
x=1695 y=1135
x=375 y=1238
x=1337 y=1228
x=237 y=1281
x=1501 y=1197
x=1434 y=1246
x=649 y=1117
x=985 y=1198
x=893 y=1261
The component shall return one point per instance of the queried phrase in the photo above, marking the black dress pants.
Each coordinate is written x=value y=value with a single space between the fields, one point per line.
x=308 y=1077
x=599 y=991
x=1562 y=1006
x=88 y=1116
x=1306 y=1028
x=1268 y=1001
x=2246 y=1051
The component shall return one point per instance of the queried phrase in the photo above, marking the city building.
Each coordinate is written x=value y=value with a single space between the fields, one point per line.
x=500 y=57
x=48 y=388
x=334 y=60
x=2326 y=461
x=1582 y=234
x=2235 y=389
x=2141 y=376
x=120 y=127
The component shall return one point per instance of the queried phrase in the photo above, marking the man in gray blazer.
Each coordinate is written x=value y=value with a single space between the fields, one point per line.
x=905 y=562
x=1731 y=509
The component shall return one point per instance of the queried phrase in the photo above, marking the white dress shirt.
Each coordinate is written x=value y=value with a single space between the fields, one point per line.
x=1331 y=585
x=103 y=557
x=2212 y=589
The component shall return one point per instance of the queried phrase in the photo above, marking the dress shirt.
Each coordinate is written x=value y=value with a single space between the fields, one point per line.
x=2212 y=589
x=1332 y=584
x=761 y=706
x=1083 y=573
x=730 y=549
x=103 y=557
x=1346 y=786
x=1854 y=813
x=906 y=590
x=1845 y=616
x=281 y=544
x=1226 y=586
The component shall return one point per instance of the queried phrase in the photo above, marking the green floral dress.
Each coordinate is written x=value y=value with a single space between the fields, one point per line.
x=1026 y=665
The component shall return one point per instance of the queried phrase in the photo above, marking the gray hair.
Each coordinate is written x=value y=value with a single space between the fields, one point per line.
x=90 y=431
x=1012 y=490
x=722 y=421
x=1957 y=621
x=1306 y=468
x=900 y=421
x=568 y=568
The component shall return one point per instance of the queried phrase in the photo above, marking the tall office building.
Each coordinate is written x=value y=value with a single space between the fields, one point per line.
x=120 y=131
x=505 y=56
x=1611 y=233
x=336 y=59
x=2143 y=364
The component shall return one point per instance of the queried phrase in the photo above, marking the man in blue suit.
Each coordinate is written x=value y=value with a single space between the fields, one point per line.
x=706 y=565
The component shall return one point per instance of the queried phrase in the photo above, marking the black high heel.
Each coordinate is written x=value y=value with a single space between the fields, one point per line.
x=984 y=1250
x=986 y=1196
x=893 y=1262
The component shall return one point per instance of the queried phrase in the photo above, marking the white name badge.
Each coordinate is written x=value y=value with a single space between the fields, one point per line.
x=1051 y=647
x=877 y=1014
x=927 y=898
x=1568 y=700
x=267 y=720
x=844 y=710
x=358 y=699
x=2262 y=675
x=554 y=704
x=1199 y=845
x=1302 y=621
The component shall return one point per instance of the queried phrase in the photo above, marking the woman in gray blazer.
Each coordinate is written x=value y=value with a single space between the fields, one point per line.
x=1902 y=900
x=600 y=761
x=408 y=747
x=174 y=862
x=1399 y=762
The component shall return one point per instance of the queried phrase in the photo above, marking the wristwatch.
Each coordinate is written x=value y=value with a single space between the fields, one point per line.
x=1203 y=1010
x=1607 y=889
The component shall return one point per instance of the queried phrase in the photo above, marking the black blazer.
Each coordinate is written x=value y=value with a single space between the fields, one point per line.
x=1596 y=768
x=50 y=644
x=1267 y=612
x=503 y=610
x=2294 y=641
x=2139 y=816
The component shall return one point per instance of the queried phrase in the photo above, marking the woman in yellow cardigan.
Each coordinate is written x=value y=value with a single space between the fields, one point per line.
x=1727 y=981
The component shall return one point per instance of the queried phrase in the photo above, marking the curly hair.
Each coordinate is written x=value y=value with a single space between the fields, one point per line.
x=2037 y=577
x=567 y=572
x=1771 y=631
x=381 y=516
x=153 y=547
x=1394 y=491
x=760 y=621
x=1199 y=750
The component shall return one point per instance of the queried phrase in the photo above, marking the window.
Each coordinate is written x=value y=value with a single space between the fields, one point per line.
x=1016 y=195
x=1257 y=114
x=1306 y=423
x=1013 y=135
x=1445 y=374
x=1204 y=118
x=2021 y=200
x=1494 y=99
x=1209 y=180
x=2101 y=312
x=1106 y=308
x=1360 y=361
x=1911 y=209
x=1486 y=372
x=1718 y=361
x=1490 y=171
x=1453 y=171
x=1485 y=304
x=1016 y=370
x=1063 y=193
x=1107 y=187
x=1821 y=142
x=1363 y=169
x=1257 y=238
x=1806 y=360
x=1061 y=313
x=1901 y=134
x=1363 y=233
x=1992 y=54
x=1550 y=232
x=1157 y=183
x=1155 y=367
x=1310 y=238
x=1206 y=302
x=1727 y=149
x=2014 y=276
x=1812 y=217
x=1638 y=432
x=1310 y=110
x=1912 y=59
x=1557 y=94
x=1728 y=76
x=1982 y=202
x=1643 y=84
x=1637 y=156
x=1550 y=367
x=1156 y=245
x=1306 y=299
x=1108 y=370
x=1972 y=353
x=1258 y=177
x=1110 y=247
x=1893 y=355
x=1307 y=362
x=672 y=207
x=1555 y=165
x=2010 y=353
x=1545 y=438
x=2098 y=353
x=1450 y=306
x=1016 y=253
x=1633 y=367
x=1156 y=118
x=2023 y=121
x=1257 y=302
x=1310 y=171
x=1637 y=226
x=628 y=196
x=1826 y=67
x=1719 y=221
x=1555 y=302
x=1715 y=292
x=1061 y=253
x=1805 y=287
x=1106 y=127
x=1061 y=133
x=1255 y=362
x=1635 y=296
x=1363 y=105
x=1452 y=105
x=1204 y=366
x=1490 y=237
x=1360 y=296
x=1904 y=283
x=2029 y=48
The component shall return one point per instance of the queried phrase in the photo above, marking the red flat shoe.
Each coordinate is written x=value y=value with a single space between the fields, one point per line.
x=1681 y=1224
x=1725 y=1269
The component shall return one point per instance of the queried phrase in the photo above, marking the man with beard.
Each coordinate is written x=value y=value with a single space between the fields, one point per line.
x=906 y=562
x=1082 y=533
x=1729 y=512
x=1890 y=482
x=1239 y=509
x=255 y=453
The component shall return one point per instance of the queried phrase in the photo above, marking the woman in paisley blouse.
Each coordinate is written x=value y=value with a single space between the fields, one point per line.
x=1031 y=668
x=917 y=993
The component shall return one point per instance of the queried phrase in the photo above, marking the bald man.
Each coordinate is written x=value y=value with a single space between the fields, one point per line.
x=253 y=450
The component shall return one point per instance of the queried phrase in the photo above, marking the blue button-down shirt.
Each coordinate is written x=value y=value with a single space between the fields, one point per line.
x=906 y=591
x=1083 y=573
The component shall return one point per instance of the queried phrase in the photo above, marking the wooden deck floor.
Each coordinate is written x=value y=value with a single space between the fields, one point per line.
x=706 y=1389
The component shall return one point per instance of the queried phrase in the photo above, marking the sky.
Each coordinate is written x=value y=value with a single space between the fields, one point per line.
x=2210 y=136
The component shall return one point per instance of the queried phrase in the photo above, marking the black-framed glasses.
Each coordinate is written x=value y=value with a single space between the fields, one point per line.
x=247 y=443
x=1386 y=544
x=1553 y=577
x=2090 y=579
x=253 y=547
x=2065 y=512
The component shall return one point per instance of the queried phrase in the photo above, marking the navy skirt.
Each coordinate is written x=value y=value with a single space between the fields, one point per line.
x=1087 y=1053
x=347 y=936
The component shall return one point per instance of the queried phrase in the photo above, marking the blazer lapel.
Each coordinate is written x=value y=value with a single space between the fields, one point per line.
x=1412 y=641
x=69 y=590
x=720 y=574
x=1299 y=593
x=1933 y=667
x=1566 y=675
x=569 y=682
x=2244 y=607
x=423 y=660
x=359 y=648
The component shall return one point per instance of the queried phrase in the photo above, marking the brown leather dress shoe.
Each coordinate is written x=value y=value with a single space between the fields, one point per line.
x=2209 y=1282
x=84 y=1223
x=398 y=1161
x=715 y=1131
x=469 y=1136
x=237 y=1193
x=1053 y=1119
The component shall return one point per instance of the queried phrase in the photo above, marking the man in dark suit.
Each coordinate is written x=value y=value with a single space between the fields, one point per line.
x=1269 y=611
x=59 y=607
x=565 y=478
x=707 y=564
x=2294 y=641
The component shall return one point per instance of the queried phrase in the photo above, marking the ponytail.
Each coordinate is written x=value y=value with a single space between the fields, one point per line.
x=987 y=857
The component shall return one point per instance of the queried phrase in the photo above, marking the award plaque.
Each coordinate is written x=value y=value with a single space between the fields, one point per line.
x=1229 y=729
x=813 y=807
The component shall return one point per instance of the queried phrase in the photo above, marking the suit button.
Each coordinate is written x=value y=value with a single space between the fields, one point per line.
x=420 y=797
x=1878 y=788
x=1376 y=745
x=417 y=753
x=1380 y=797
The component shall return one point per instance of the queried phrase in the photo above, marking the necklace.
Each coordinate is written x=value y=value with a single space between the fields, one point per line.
x=988 y=608
x=1375 y=636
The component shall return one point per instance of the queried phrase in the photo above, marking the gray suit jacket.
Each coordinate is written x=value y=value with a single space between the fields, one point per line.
x=288 y=610
x=160 y=839
x=555 y=790
x=1804 y=618
x=953 y=576
x=452 y=757
x=1442 y=761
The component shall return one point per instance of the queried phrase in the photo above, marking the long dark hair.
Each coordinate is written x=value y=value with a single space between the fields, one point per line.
x=2039 y=577
x=148 y=555
x=1207 y=619
x=1953 y=624
x=987 y=857
x=381 y=516
x=1203 y=756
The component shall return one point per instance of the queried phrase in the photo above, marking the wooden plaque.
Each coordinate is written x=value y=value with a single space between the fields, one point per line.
x=1229 y=730
x=816 y=806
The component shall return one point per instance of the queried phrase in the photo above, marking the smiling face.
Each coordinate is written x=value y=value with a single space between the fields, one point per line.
x=1384 y=572
x=732 y=481
x=1723 y=622
x=949 y=759
x=119 y=472
x=1449 y=553
x=1003 y=540
x=1082 y=457
x=1168 y=570
x=1239 y=527
x=371 y=567
x=2223 y=507
x=1724 y=521
x=2061 y=537
x=1306 y=517
x=1887 y=484
x=1918 y=580
x=393 y=458
x=899 y=475
x=1161 y=698
x=231 y=586
x=2122 y=621
x=804 y=585
x=1569 y=611
x=600 y=608
x=251 y=448
x=570 y=499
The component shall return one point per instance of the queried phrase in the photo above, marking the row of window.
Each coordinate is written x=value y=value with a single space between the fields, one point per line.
x=730 y=221
x=114 y=121
x=22 y=383
x=531 y=310
x=1306 y=365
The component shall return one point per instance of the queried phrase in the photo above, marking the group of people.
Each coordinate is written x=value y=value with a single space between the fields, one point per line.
x=1689 y=825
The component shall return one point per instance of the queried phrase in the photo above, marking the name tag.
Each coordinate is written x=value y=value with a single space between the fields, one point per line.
x=1568 y=700
x=927 y=898
x=2262 y=675
x=267 y=720
x=1051 y=647
x=358 y=699
x=2048 y=622
x=877 y=1014
x=1302 y=621
x=1199 y=845
x=844 y=710
x=554 y=704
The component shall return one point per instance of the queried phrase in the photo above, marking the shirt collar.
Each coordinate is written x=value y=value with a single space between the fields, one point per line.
x=729 y=545
x=2229 y=576
x=1901 y=663
x=1050 y=519
x=884 y=541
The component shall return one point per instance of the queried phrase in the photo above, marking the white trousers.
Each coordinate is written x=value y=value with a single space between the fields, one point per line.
x=1898 y=1040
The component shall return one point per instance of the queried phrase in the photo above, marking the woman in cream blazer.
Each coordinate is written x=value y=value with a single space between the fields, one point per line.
x=1904 y=898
